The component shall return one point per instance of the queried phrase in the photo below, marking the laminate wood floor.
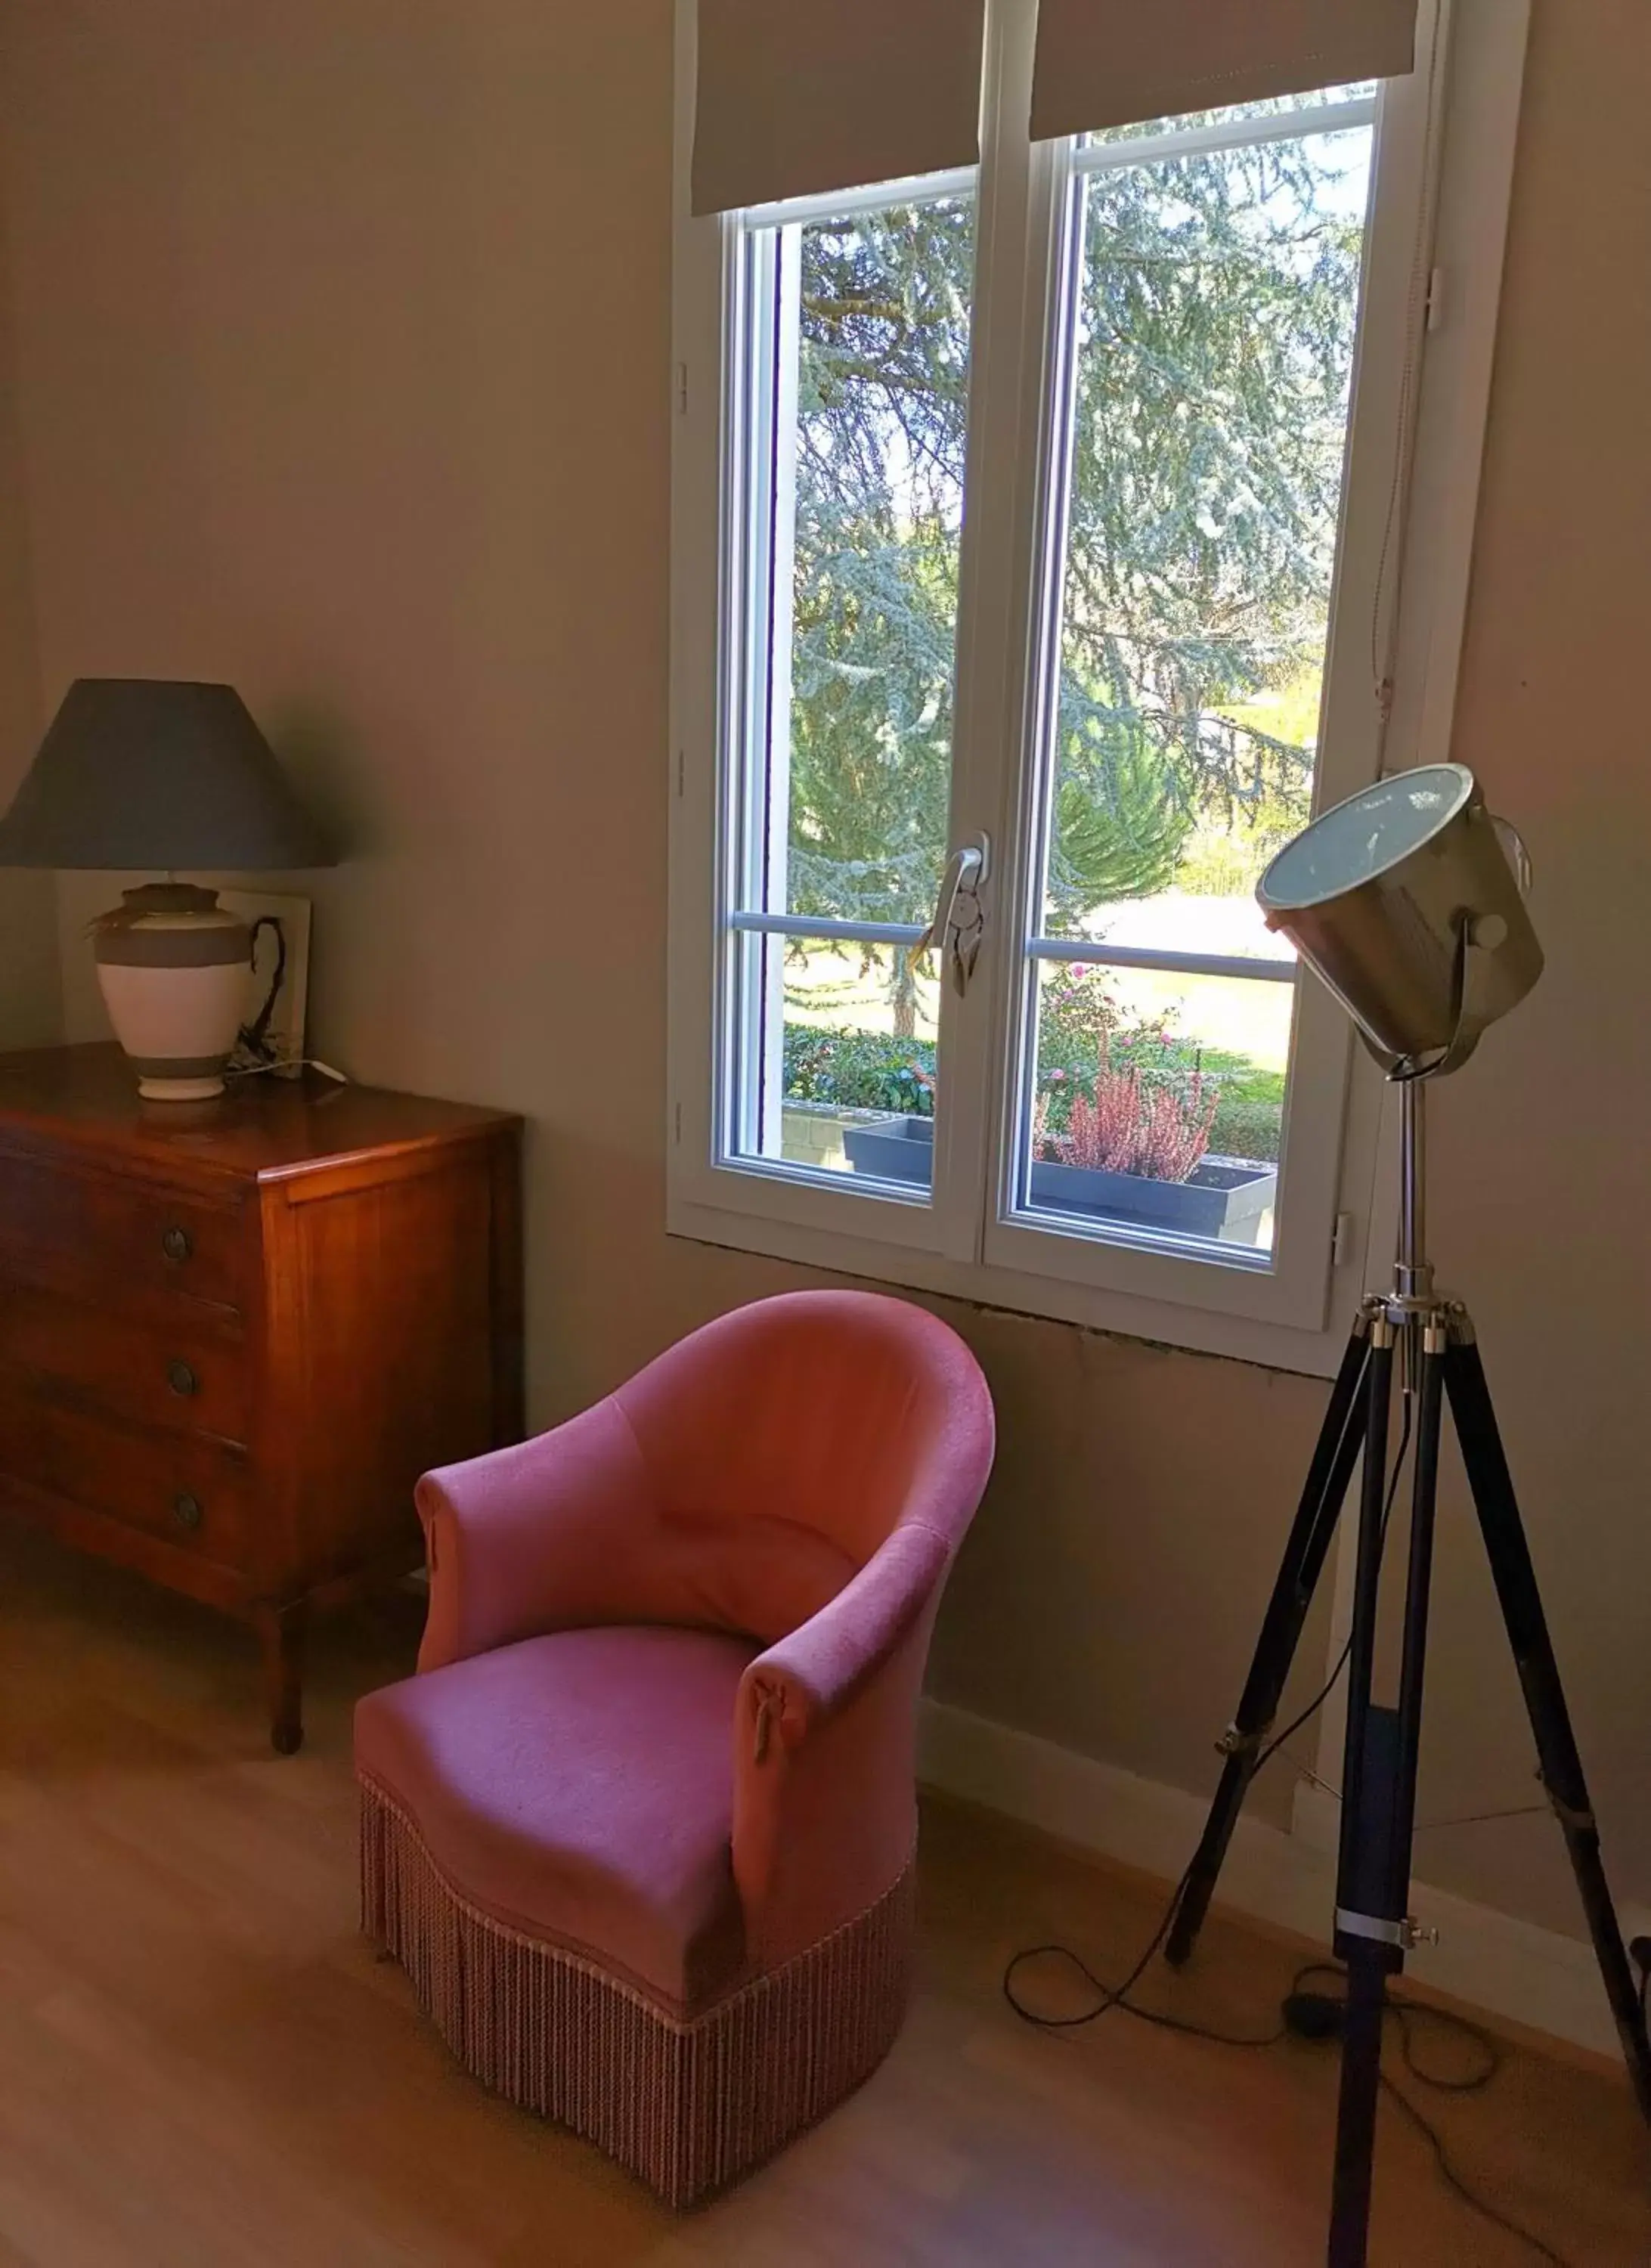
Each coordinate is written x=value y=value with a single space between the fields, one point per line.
x=203 y=2067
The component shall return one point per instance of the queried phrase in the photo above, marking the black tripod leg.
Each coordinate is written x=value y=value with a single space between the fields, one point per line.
x=1372 y=1882
x=1356 y=2108
x=1521 y=1601
x=1369 y=1776
x=1339 y=1439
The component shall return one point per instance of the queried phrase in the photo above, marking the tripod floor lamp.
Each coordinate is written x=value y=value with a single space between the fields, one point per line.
x=1408 y=900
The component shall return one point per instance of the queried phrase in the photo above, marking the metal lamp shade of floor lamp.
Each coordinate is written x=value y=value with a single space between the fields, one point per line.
x=1408 y=901
x=157 y=773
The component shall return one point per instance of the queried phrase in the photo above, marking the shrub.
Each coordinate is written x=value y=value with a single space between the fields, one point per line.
x=1079 y=1010
x=860 y=1071
x=1245 y=1128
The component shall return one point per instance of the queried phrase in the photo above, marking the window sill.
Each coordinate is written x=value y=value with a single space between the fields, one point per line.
x=1312 y=1353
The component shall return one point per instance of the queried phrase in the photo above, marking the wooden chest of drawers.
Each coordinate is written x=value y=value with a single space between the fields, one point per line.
x=234 y=1334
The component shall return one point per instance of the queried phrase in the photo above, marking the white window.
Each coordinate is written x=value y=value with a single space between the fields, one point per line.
x=1067 y=529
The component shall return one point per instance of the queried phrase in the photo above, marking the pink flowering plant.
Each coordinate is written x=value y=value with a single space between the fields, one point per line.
x=1121 y=1095
x=1127 y=1126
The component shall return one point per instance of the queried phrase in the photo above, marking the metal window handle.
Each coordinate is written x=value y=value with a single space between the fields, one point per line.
x=960 y=919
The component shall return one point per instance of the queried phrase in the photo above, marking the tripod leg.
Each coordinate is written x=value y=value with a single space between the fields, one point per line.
x=1365 y=1771
x=1372 y=1880
x=1521 y=1601
x=1340 y=1437
x=1356 y=2108
x=1417 y=1595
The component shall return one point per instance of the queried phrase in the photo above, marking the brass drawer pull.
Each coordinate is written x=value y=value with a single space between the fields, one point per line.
x=177 y=1243
x=180 y=1378
x=187 y=1509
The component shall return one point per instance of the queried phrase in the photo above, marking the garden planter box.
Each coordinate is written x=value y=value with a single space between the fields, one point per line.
x=893 y=1149
x=1225 y=1199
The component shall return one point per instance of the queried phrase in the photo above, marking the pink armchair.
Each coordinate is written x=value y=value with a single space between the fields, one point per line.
x=641 y=1830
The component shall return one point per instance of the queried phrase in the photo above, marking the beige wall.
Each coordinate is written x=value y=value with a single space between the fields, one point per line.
x=344 y=352
x=31 y=1008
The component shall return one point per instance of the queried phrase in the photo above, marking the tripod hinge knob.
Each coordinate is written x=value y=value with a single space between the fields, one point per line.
x=1406 y=1934
x=1236 y=1742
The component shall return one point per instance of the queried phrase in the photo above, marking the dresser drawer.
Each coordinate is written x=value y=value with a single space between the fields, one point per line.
x=190 y=1492
x=185 y=1379
x=119 y=1242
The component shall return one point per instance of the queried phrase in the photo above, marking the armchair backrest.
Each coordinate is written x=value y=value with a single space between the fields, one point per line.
x=739 y=1483
x=794 y=1435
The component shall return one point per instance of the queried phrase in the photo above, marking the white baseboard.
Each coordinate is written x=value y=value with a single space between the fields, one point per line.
x=1493 y=1961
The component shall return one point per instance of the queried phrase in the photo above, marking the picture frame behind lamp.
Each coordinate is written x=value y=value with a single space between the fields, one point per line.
x=277 y=988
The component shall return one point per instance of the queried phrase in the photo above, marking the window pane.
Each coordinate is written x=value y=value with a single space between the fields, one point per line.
x=1215 y=313
x=1216 y=310
x=1157 y=1102
x=882 y=420
x=859 y=349
x=850 y=500
x=848 y=1034
x=1272 y=106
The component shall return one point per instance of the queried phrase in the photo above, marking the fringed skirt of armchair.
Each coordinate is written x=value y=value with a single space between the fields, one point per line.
x=641 y=1830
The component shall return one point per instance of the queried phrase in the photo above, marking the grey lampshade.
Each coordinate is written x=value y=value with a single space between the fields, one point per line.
x=145 y=773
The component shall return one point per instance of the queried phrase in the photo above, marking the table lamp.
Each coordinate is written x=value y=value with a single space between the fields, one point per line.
x=155 y=773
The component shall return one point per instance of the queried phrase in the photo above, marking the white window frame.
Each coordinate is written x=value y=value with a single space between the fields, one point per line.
x=1449 y=147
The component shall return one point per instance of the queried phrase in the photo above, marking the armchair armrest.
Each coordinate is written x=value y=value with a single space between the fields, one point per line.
x=534 y=1538
x=825 y=1750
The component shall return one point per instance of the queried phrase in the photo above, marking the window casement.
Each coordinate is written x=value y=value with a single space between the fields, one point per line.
x=1050 y=538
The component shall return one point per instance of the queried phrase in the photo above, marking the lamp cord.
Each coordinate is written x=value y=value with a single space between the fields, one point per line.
x=1406 y=1426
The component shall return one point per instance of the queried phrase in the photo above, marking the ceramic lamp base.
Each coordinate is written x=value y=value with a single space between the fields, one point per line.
x=180 y=1090
x=172 y=968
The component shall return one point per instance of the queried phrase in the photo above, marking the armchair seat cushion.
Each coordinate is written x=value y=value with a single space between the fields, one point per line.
x=578 y=1789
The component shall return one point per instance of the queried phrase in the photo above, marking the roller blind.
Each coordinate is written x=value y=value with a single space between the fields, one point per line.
x=1119 y=63
x=795 y=97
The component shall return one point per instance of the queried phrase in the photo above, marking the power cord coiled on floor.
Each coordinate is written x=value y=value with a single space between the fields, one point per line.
x=1306 y=2015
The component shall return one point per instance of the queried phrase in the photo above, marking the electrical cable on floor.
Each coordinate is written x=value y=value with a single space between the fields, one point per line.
x=1117 y=1996
x=1317 y=2015
x=1407 y=2014
x=1454 y=2181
